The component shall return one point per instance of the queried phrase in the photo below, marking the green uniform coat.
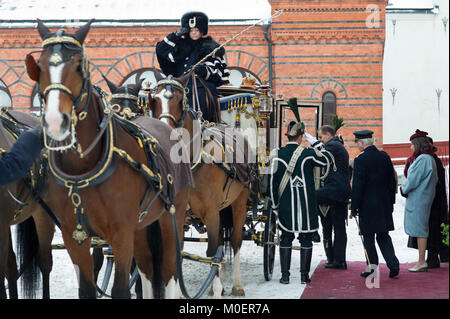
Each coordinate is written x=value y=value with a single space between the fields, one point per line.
x=297 y=207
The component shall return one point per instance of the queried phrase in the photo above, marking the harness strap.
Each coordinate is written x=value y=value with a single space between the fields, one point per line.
x=154 y=180
x=103 y=125
x=60 y=87
x=79 y=234
x=210 y=103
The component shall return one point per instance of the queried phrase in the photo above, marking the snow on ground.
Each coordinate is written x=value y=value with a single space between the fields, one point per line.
x=63 y=281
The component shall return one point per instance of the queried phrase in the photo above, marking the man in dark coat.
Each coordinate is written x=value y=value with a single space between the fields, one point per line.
x=16 y=163
x=333 y=197
x=373 y=198
x=181 y=50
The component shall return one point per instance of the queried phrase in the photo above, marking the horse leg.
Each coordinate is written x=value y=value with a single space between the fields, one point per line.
x=212 y=222
x=45 y=230
x=143 y=257
x=170 y=245
x=169 y=263
x=83 y=263
x=122 y=244
x=239 y=216
x=215 y=236
x=3 y=264
x=138 y=282
x=5 y=239
x=97 y=256
x=12 y=273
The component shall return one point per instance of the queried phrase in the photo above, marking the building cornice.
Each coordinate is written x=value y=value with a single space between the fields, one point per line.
x=329 y=36
x=136 y=36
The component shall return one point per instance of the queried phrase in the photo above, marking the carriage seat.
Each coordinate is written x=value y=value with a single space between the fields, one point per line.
x=232 y=102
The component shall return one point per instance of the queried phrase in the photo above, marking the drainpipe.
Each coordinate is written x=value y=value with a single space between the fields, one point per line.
x=266 y=26
x=271 y=120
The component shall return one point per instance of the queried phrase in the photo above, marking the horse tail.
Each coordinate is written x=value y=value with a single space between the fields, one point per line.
x=27 y=244
x=154 y=241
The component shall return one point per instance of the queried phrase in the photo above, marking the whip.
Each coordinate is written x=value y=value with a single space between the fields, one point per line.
x=275 y=15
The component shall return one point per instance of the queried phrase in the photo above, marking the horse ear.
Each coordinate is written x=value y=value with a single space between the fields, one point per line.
x=32 y=67
x=185 y=79
x=159 y=76
x=112 y=86
x=42 y=29
x=81 y=34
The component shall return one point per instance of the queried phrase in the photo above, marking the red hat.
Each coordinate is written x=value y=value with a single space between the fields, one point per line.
x=418 y=133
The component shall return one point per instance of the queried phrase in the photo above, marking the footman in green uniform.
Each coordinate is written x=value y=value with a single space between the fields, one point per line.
x=293 y=194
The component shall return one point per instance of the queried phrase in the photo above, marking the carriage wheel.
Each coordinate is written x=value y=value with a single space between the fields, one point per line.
x=269 y=243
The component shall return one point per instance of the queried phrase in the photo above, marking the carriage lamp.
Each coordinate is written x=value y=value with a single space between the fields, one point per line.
x=143 y=98
x=265 y=99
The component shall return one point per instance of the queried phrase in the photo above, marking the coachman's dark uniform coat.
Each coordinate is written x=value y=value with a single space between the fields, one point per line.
x=177 y=55
x=16 y=163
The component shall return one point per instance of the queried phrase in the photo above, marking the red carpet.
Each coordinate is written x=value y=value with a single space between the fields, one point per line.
x=348 y=284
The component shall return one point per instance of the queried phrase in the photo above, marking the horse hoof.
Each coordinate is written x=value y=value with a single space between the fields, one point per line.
x=211 y=293
x=238 y=292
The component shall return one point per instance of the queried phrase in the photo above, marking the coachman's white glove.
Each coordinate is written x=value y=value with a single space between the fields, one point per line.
x=311 y=139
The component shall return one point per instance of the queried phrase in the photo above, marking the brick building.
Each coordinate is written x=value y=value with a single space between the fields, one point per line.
x=327 y=53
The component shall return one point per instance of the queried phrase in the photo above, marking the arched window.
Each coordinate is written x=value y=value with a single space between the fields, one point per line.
x=145 y=73
x=329 y=107
x=238 y=73
x=35 y=101
x=5 y=96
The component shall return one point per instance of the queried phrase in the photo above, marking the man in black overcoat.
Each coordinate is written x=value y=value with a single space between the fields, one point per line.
x=372 y=199
x=333 y=198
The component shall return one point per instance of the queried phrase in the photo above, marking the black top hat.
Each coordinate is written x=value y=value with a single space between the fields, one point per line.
x=195 y=19
x=362 y=134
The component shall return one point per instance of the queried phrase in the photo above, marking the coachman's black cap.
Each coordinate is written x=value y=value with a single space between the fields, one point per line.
x=195 y=19
x=362 y=134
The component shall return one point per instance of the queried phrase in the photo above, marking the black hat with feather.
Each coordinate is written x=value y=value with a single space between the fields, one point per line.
x=295 y=128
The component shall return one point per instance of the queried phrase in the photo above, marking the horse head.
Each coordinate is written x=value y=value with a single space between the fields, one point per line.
x=62 y=72
x=169 y=100
x=126 y=96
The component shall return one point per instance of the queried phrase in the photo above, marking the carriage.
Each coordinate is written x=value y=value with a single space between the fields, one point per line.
x=247 y=108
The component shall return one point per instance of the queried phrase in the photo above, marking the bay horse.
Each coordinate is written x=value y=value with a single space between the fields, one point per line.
x=217 y=185
x=109 y=177
x=35 y=229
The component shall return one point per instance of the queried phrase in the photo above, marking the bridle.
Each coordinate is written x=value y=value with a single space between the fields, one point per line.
x=169 y=84
x=56 y=58
x=126 y=98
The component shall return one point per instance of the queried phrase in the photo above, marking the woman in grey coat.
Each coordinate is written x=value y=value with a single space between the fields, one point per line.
x=419 y=190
